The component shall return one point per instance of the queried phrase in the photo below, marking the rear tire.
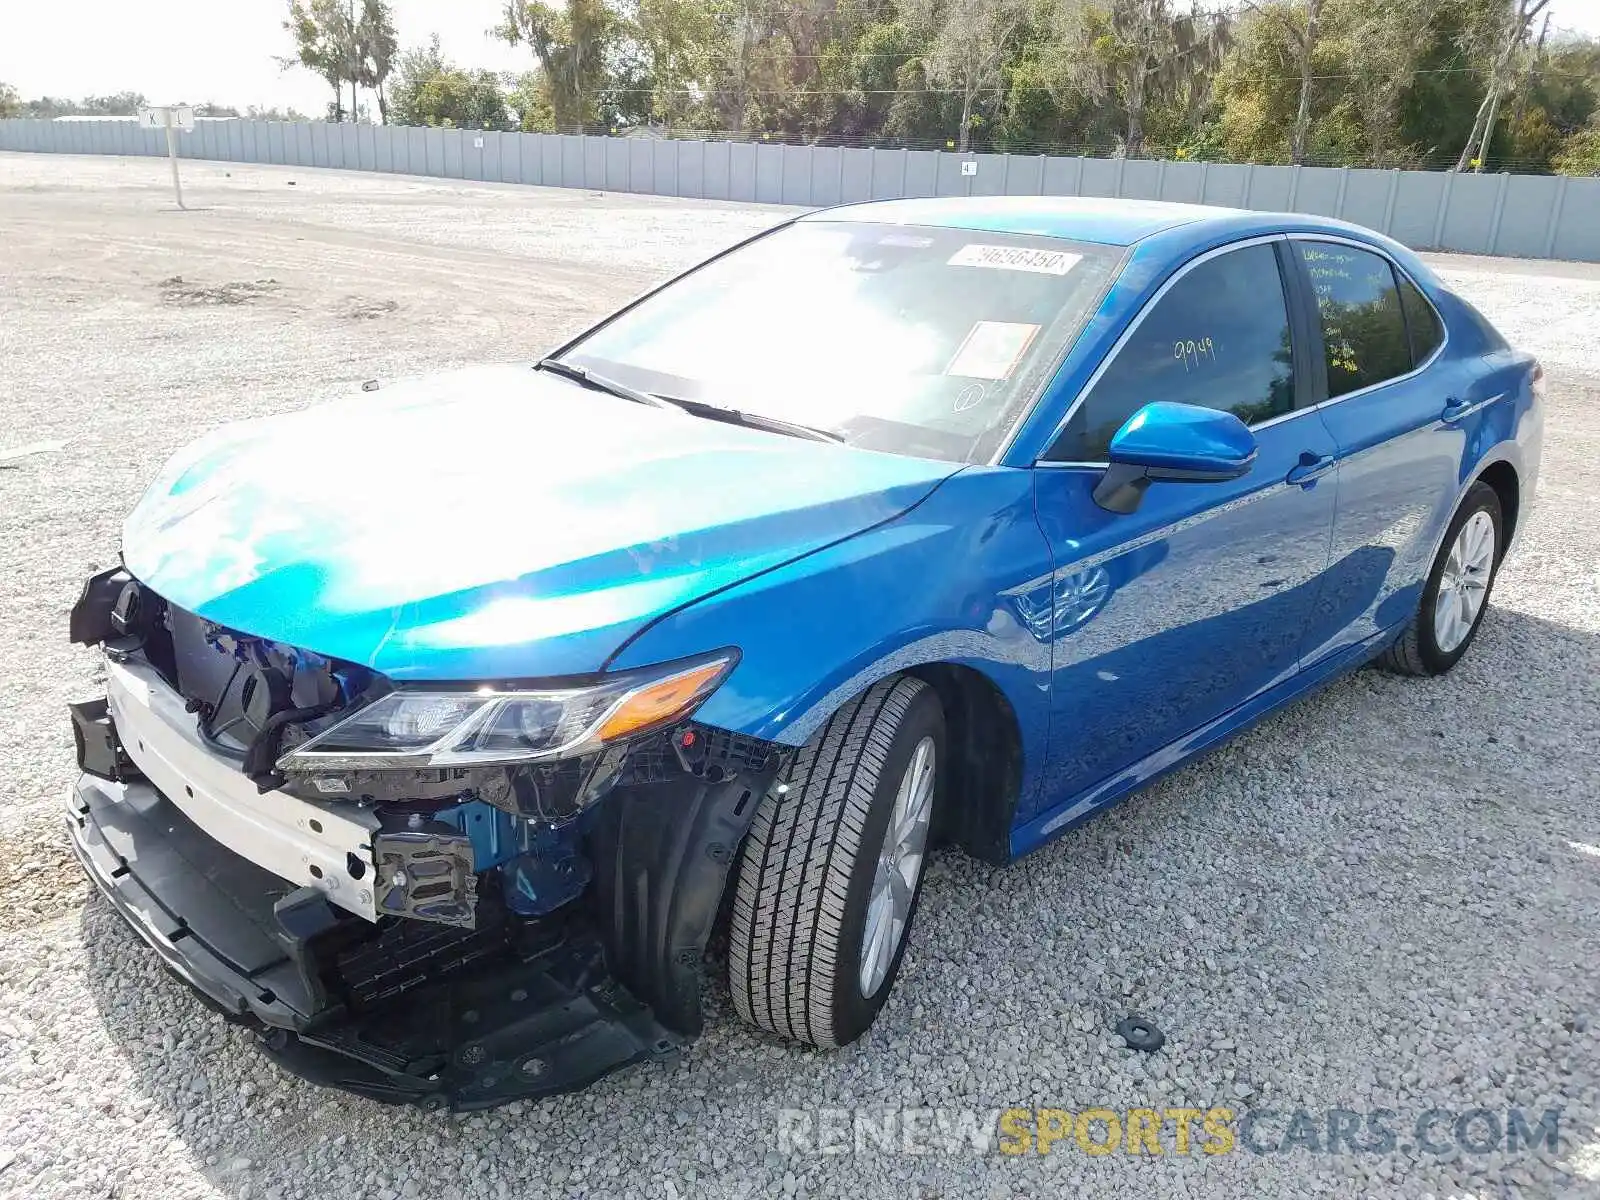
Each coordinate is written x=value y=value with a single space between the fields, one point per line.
x=1438 y=634
x=817 y=856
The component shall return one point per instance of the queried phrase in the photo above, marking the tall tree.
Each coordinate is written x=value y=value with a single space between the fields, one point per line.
x=10 y=102
x=1298 y=23
x=1135 y=54
x=376 y=47
x=571 y=44
x=324 y=36
x=431 y=90
x=1517 y=17
x=971 y=43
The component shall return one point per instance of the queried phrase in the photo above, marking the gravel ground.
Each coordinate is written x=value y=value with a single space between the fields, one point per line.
x=1386 y=897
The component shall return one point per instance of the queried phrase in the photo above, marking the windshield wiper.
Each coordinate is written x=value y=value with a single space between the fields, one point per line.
x=710 y=412
x=749 y=420
x=600 y=382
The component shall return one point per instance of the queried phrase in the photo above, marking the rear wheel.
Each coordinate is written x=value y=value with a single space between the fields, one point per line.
x=832 y=868
x=1456 y=594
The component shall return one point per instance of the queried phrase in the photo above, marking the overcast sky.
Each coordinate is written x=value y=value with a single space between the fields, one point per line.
x=225 y=50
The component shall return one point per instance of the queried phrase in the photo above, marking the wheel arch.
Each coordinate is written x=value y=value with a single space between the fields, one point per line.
x=1502 y=476
x=983 y=780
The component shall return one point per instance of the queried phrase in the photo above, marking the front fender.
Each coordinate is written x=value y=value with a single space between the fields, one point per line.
x=946 y=582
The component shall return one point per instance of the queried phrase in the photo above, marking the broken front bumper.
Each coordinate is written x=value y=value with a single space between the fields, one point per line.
x=400 y=1010
x=492 y=1021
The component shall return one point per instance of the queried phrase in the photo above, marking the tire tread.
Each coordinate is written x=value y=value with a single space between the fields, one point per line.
x=789 y=896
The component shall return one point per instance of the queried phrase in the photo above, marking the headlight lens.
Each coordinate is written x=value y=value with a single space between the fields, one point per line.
x=411 y=728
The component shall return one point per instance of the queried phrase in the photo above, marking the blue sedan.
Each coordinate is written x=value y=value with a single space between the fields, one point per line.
x=445 y=722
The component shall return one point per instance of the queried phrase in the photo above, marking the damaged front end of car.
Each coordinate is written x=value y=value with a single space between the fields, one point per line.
x=443 y=895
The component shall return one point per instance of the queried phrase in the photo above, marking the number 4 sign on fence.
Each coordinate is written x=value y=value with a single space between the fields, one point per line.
x=171 y=117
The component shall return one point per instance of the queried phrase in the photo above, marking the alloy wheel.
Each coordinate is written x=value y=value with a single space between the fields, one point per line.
x=1465 y=582
x=894 y=884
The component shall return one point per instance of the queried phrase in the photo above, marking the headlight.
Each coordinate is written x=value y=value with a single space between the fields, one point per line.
x=415 y=727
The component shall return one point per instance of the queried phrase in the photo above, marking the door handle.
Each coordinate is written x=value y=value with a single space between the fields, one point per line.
x=1310 y=468
x=1457 y=410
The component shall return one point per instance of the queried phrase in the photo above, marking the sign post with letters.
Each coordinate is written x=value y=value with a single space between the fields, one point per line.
x=171 y=117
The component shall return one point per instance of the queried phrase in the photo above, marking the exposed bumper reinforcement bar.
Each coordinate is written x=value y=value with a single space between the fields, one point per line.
x=528 y=1021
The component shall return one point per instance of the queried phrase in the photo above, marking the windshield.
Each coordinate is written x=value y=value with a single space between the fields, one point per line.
x=913 y=339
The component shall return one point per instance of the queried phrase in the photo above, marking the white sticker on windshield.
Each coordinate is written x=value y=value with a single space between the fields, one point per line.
x=1015 y=258
x=991 y=350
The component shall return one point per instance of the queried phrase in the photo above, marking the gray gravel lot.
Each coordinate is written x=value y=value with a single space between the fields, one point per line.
x=1387 y=897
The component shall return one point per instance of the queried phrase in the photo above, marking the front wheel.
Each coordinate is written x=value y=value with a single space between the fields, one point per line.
x=832 y=868
x=1456 y=593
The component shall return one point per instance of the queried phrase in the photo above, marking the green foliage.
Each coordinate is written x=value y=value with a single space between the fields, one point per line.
x=572 y=45
x=324 y=40
x=1346 y=82
x=10 y=102
x=431 y=90
x=1579 y=153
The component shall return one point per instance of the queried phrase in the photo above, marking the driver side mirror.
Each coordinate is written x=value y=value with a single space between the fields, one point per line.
x=1176 y=442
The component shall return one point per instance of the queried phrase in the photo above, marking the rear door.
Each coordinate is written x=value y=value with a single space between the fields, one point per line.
x=1389 y=402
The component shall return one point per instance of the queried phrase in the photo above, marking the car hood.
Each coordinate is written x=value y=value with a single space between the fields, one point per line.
x=490 y=523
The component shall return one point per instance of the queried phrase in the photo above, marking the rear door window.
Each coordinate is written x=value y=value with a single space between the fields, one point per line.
x=1363 y=327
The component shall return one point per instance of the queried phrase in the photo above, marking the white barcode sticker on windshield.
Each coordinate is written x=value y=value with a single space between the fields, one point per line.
x=991 y=350
x=1015 y=258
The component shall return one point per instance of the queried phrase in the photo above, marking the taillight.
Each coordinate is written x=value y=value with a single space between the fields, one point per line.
x=1537 y=382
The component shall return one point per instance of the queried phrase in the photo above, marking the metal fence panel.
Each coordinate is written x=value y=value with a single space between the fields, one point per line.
x=1225 y=184
x=1577 y=231
x=615 y=156
x=991 y=177
x=1366 y=197
x=1317 y=191
x=716 y=170
x=741 y=171
x=594 y=162
x=1098 y=177
x=529 y=163
x=855 y=175
x=1469 y=218
x=663 y=168
x=886 y=173
x=769 y=174
x=383 y=144
x=1527 y=216
x=826 y=175
x=1417 y=205
x=642 y=167
x=1521 y=215
x=552 y=160
x=920 y=175
x=794 y=174
x=1271 y=189
x=692 y=167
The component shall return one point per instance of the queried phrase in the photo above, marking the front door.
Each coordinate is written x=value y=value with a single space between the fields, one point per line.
x=1167 y=617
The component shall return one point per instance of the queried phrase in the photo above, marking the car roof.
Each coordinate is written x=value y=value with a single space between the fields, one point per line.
x=1111 y=222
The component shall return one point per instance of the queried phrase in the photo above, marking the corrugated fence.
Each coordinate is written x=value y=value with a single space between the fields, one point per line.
x=1531 y=216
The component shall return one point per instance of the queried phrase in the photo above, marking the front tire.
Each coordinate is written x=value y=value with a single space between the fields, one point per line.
x=1456 y=594
x=831 y=871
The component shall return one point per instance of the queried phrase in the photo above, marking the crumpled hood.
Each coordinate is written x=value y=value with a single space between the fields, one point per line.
x=495 y=522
